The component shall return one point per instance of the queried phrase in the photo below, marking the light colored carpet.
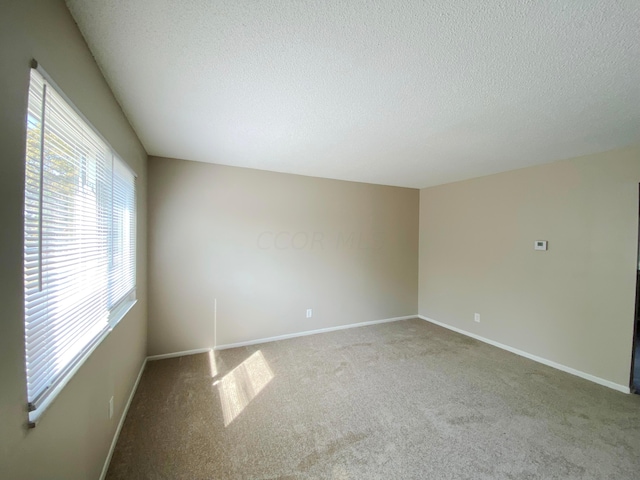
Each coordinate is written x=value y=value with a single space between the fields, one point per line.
x=402 y=400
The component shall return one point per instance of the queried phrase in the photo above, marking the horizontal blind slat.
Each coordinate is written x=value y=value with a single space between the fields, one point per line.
x=79 y=236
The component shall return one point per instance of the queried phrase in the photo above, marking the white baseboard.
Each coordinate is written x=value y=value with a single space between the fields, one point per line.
x=310 y=332
x=178 y=354
x=535 y=358
x=105 y=468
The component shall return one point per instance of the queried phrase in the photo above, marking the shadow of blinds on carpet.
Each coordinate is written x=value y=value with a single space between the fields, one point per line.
x=241 y=385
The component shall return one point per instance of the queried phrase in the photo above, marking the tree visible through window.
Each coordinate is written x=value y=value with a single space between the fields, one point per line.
x=79 y=241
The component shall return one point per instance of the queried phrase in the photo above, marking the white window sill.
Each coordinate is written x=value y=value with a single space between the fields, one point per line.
x=118 y=314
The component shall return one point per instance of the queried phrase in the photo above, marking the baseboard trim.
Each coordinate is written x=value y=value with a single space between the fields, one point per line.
x=178 y=354
x=105 y=468
x=310 y=332
x=535 y=358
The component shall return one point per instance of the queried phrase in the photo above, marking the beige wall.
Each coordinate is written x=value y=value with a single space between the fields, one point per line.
x=73 y=437
x=573 y=304
x=267 y=246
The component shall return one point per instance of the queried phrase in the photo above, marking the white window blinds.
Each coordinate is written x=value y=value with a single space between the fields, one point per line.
x=79 y=240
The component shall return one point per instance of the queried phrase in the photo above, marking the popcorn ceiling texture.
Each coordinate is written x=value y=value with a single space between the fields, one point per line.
x=401 y=93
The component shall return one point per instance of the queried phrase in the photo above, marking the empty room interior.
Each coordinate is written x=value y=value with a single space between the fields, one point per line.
x=296 y=239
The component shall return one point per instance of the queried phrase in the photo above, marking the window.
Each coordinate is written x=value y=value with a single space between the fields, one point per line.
x=79 y=241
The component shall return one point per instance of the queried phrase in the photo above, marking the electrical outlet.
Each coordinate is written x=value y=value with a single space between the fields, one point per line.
x=309 y=313
x=111 y=407
x=476 y=317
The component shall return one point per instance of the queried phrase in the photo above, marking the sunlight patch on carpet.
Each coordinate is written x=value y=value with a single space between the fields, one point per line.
x=238 y=387
x=213 y=369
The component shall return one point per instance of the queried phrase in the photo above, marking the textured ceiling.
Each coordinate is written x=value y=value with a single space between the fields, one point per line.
x=409 y=93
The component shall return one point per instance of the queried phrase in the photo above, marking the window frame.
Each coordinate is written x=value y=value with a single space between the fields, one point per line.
x=117 y=311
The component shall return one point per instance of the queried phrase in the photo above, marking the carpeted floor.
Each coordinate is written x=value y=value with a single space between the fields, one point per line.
x=402 y=400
